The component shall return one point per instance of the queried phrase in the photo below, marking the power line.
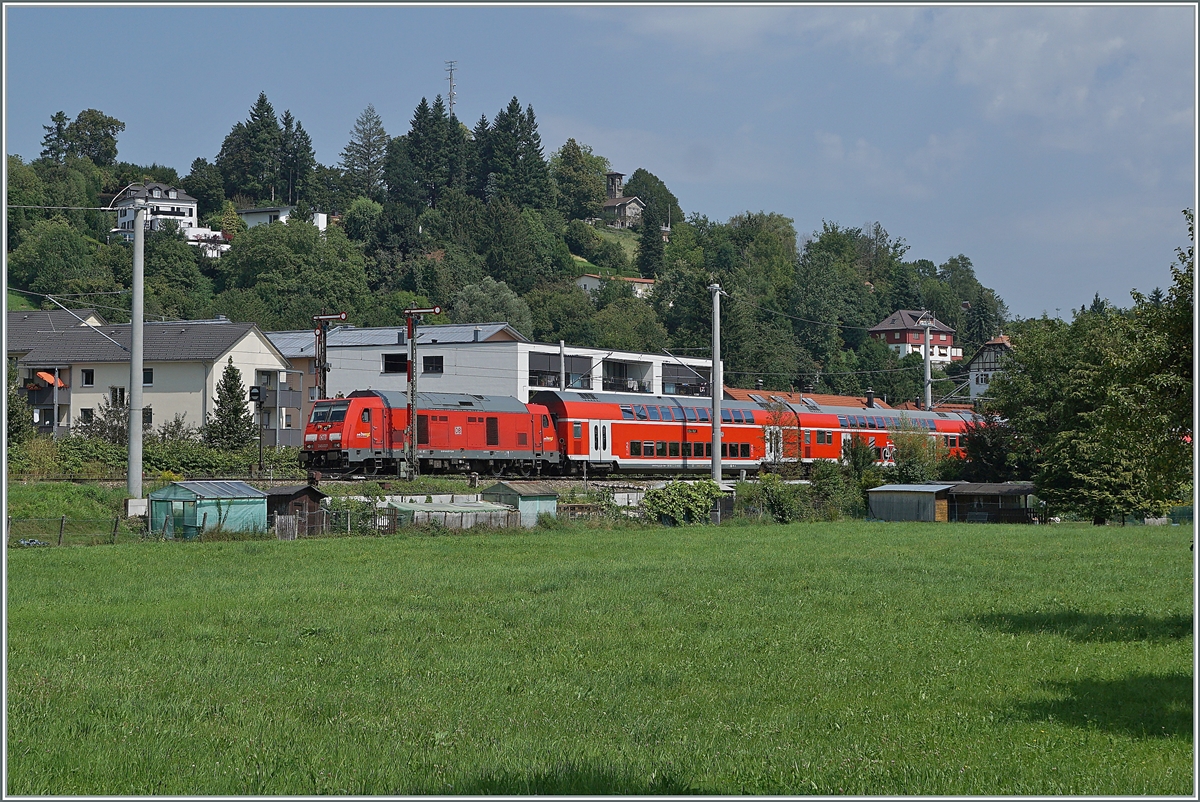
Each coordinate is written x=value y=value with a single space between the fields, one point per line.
x=75 y=208
x=51 y=298
x=793 y=317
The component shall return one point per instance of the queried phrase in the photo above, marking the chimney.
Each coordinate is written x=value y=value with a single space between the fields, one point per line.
x=478 y=332
x=401 y=337
x=758 y=384
x=870 y=398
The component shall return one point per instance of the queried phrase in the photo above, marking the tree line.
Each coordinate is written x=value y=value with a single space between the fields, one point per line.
x=482 y=222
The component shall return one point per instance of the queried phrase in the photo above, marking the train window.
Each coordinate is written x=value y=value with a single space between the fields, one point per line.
x=687 y=449
x=320 y=413
x=749 y=416
x=689 y=413
x=338 y=411
x=708 y=449
x=672 y=449
x=545 y=421
x=604 y=437
x=635 y=448
x=595 y=437
x=703 y=413
x=640 y=412
x=724 y=449
x=647 y=448
x=879 y=424
x=626 y=412
x=843 y=421
x=366 y=416
x=653 y=413
x=660 y=448
x=493 y=431
x=726 y=417
x=667 y=413
x=577 y=430
x=737 y=415
x=522 y=439
x=870 y=422
x=807 y=438
x=745 y=450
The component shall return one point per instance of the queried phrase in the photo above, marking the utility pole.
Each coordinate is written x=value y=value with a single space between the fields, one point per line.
x=926 y=320
x=133 y=479
x=450 y=65
x=411 y=437
x=716 y=383
x=322 y=332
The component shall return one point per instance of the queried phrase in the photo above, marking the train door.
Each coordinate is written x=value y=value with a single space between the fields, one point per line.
x=600 y=449
x=845 y=442
x=541 y=425
x=375 y=421
x=773 y=444
x=475 y=435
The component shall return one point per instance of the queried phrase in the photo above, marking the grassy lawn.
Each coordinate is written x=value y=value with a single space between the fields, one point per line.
x=18 y=302
x=845 y=658
x=623 y=237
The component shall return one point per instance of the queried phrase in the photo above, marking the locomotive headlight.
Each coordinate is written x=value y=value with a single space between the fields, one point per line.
x=335 y=436
x=310 y=438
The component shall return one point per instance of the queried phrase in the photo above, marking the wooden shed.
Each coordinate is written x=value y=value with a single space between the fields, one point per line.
x=1006 y=503
x=296 y=510
x=186 y=509
x=531 y=499
x=910 y=502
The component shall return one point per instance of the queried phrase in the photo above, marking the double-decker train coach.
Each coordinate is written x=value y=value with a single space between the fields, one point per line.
x=812 y=431
x=635 y=433
x=366 y=431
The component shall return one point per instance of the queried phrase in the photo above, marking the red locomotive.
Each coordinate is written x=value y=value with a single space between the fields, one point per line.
x=366 y=431
x=561 y=432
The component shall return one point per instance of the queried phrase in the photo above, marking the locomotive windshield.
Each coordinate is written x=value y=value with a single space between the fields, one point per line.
x=335 y=411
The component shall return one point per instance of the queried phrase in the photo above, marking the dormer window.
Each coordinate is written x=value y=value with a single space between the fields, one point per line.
x=173 y=194
x=157 y=193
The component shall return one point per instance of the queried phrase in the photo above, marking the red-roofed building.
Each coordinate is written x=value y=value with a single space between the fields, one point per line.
x=903 y=334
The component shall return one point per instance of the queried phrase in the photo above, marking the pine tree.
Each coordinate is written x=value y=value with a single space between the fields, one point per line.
x=264 y=135
x=296 y=159
x=55 y=143
x=362 y=159
x=478 y=159
x=231 y=426
x=650 y=246
x=536 y=189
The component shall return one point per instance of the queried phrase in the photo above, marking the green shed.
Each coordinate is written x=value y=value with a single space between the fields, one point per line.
x=530 y=498
x=186 y=509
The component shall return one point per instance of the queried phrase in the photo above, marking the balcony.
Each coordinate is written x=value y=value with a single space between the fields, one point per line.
x=616 y=384
x=274 y=398
x=42 y=396
x=286 y=437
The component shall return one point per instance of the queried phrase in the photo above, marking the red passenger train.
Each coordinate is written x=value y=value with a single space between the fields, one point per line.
x=561 y=432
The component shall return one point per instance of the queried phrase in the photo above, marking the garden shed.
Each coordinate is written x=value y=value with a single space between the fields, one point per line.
x=296 y=510
x=910 y=502
x=530 y=498
x=1006 y=502
x=186 y=509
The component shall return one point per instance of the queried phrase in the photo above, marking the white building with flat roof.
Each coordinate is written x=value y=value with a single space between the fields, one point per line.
x=489 y=359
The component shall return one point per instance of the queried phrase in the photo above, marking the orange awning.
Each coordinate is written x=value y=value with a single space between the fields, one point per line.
x=49 y=379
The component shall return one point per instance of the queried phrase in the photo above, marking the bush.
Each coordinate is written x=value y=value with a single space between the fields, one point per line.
x=682 y=502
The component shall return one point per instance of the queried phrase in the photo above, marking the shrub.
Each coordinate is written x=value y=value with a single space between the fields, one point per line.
x=682 y=502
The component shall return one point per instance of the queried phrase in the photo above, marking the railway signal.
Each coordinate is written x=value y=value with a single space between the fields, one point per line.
x=322 y=332
x=410 y=450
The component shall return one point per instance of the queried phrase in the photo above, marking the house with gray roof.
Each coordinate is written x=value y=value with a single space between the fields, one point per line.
x=163 y=202
x=182 y=364
x=44 y=390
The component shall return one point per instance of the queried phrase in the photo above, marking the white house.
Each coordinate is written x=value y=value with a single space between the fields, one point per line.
x=163 y=202
x=270 y=214
x=986 y=364
x=182 y=364
x=592 y=283
x=487 y=359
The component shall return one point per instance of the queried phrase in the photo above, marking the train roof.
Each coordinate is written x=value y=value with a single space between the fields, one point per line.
x=583 y=396
x=911 y=414
x=480 y=403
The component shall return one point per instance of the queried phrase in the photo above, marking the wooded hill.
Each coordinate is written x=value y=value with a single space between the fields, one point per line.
x=477 y=219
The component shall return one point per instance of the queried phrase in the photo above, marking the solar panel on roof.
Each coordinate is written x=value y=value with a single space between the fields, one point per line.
x=810 y=403
x=757 y=398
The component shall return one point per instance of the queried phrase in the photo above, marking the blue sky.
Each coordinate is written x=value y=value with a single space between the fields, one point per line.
x=1055 y=147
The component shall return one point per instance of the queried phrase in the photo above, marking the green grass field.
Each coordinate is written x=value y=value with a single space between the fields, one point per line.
x=18 y=302
x=846 y=658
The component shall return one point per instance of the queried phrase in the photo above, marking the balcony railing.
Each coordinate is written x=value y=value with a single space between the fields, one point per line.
x=626 y=385
x=44 y=396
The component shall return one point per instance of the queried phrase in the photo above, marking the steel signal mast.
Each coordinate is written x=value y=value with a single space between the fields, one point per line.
x=322 y=332
x=410 y=445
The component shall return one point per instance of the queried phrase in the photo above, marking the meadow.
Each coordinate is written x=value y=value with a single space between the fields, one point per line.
x=838 y=658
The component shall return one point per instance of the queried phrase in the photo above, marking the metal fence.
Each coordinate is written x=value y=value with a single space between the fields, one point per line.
x=63 y=531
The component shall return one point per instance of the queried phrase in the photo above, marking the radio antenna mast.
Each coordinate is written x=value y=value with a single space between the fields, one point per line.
x=450 y=65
